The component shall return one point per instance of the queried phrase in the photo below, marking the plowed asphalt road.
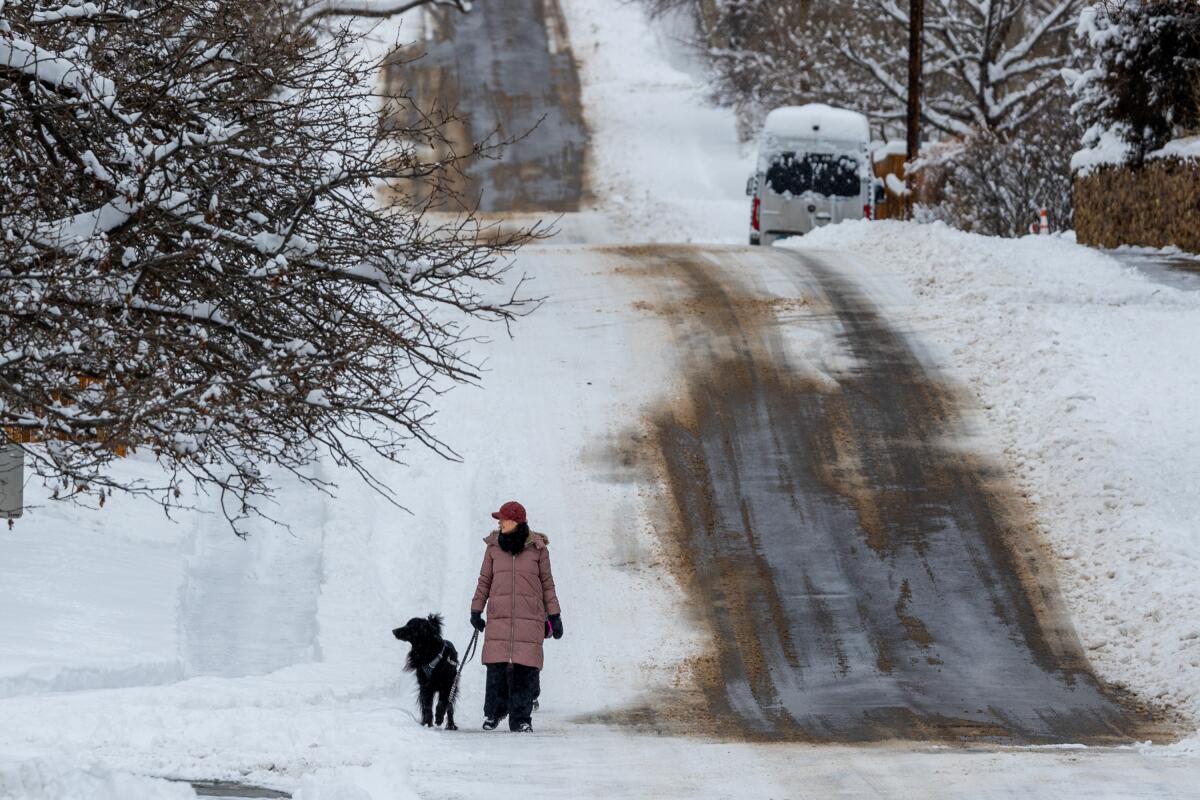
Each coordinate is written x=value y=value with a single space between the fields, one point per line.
x=864 y=578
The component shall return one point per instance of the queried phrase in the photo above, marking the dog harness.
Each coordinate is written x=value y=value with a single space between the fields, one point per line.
x=428 y=669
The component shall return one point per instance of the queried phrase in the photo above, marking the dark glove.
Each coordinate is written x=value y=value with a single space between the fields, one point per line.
x=556 y=625
x=477 y=620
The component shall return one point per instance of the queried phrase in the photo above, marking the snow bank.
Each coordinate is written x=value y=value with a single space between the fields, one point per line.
x=123 y=596
x=386 y=782
x=1088 y=374
x=88 y=598
x=41 y=779
x=1111 y=149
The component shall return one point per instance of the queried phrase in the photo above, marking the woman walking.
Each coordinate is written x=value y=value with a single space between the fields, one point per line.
x=517 y=588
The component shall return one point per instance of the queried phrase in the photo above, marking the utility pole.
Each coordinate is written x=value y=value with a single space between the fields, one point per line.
x=916 y=27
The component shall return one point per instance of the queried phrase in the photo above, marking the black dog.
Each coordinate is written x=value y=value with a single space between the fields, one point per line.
x=435 y=661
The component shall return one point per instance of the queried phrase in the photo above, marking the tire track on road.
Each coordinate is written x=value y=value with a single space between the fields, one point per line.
x=862 y=576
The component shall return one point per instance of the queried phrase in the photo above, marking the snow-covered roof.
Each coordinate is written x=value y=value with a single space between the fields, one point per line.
x=817 y=120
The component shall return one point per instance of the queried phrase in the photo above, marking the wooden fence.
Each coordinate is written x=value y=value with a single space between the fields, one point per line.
x=1156 y=205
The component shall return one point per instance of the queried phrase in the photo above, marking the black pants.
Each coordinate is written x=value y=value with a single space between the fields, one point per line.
x=511 y=689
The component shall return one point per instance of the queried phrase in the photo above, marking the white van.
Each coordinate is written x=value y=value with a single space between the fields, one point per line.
x=814 y=168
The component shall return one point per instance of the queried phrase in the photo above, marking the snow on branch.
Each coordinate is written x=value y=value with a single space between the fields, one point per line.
x=378 y=9
x=58 y=72
x=85 y=12
x=986 y=61
x=194 y=262
x=1138 y=87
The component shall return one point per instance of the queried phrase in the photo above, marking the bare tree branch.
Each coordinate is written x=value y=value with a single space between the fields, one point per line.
x=194 y=261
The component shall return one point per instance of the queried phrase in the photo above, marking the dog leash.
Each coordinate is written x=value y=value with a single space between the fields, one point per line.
x=468 y=654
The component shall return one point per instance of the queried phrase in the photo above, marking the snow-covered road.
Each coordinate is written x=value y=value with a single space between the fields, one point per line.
x=130 y=648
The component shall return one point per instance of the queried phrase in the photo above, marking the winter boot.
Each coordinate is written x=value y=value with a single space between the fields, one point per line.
x=525 y=727
x=490 y=723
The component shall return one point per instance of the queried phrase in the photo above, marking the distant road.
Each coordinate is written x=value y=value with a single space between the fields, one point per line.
x=507 y=66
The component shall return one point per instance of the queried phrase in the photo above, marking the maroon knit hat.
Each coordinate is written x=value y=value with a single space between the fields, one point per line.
x=511 y=510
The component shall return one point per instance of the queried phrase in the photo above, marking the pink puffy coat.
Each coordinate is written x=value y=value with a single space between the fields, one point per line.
x=519 y=593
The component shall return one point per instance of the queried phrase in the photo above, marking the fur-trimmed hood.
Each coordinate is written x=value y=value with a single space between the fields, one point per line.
x=536 y=539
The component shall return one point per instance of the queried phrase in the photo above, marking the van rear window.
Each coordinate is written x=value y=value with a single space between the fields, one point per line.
x=822 y=173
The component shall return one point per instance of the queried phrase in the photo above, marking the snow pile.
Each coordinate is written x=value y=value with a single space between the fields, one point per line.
x=123 y=596
x=41 y=779
x=88 y=598
x=1088 y=373
x=357 y=783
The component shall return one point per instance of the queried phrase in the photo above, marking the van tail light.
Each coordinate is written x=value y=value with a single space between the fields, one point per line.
x=867 y=211
x=754 y=213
